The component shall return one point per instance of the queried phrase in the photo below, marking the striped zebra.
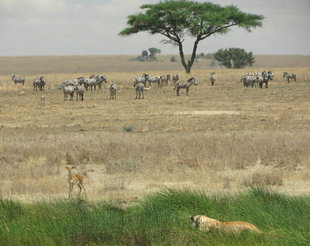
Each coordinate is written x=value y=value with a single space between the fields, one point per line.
x=143 y=79
x=68 y=89
x=39 y=83
x=112 y=90
x=92 y=82
x=181 y=85
x=175 y=77
x=164 y=79
x=266 y=77
x=18 y=80
x=140 y=89
x=289 y=76
x=155 y=79
x=79 y=90
x=212 y=78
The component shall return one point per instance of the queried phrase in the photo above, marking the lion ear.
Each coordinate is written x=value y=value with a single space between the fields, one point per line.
x=192 y=218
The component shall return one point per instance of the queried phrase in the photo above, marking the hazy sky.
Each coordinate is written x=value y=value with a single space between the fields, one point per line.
x=80 y=27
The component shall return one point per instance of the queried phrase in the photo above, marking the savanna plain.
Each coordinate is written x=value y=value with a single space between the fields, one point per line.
x=227 y=151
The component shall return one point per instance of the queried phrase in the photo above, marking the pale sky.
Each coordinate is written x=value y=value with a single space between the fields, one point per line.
x=91 y=27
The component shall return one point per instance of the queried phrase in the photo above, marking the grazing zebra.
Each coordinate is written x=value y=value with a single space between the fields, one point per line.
x=39 y=83
x=289 y=76
x=79 y=90
x=155 y=79
x=18 y=80
x=68 y=89
x=143 y=79
x=179 y=85
x=112 y=90
x=212 y=78
x=175 y=78
x=164 y=79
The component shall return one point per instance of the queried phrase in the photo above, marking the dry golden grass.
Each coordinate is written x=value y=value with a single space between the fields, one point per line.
x=218 y=138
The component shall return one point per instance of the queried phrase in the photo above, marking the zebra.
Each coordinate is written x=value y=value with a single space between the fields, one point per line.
x=266 y=77
x=93 y=81
x=155 y=79
x=175 y=77
x=212 y=78
x=289 y=76
x=164 y=79
x=79 y=90
x=112 y=90
x=18 y=80
x=248 y=79
x=179 y=85
x=258 y=79
x=143 y=79
x=39 y=83
x=102 y=78
x=140 y=89
x=68 y=89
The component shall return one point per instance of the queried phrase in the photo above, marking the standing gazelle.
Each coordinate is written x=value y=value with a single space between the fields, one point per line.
x=75 y=179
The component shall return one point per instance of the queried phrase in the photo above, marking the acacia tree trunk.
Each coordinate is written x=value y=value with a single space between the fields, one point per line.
x=191 y=61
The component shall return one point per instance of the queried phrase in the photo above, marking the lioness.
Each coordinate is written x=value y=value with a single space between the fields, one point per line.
x=205 y=223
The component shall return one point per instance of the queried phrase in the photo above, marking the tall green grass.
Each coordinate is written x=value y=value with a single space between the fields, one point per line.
x=159 y=219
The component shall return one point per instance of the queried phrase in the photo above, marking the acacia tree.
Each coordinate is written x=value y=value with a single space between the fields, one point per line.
x=154 y=52
x=176 y=19
x=234 y=58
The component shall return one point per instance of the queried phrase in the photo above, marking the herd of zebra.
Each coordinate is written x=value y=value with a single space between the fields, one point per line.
x=80 y=84
x=163 y=80
x=259 y=79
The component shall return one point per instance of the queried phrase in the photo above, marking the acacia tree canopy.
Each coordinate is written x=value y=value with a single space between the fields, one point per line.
x=176 y=19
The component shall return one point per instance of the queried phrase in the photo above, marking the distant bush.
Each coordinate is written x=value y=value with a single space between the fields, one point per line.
x=173 y=59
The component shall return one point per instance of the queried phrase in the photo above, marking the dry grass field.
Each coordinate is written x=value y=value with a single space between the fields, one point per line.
x=222 y=138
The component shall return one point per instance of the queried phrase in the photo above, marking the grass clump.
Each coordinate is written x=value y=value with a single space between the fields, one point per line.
x=159 y=219
x=128 y=128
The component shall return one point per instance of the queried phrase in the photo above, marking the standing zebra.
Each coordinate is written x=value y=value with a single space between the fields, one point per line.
x=155 y=79
x=175 y=77
x=212 y=78
x=140 y=89
x=18 y=80
x=112 y=90
x=39 y=83
x=266 y=77
x=181 y=85
x=164 y=79
x=79 y=90
x=143 y=79
x=289 y=76
x=68 y=89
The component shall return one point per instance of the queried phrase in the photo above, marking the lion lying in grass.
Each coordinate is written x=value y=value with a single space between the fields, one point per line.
x=205 y=223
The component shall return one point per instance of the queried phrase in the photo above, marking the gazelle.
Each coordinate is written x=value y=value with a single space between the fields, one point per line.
x=75 y=179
